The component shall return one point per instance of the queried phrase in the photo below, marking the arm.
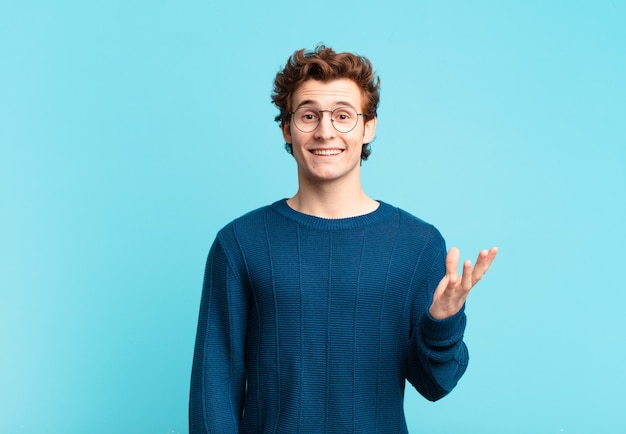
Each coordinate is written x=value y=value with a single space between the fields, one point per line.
x=438 y=357
x=218 y=373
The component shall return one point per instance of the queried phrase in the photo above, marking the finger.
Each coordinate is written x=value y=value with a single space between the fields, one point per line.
x=485 y=258
x=492 y=253
x=467 y=279
x=481 y=260
x=452 y=264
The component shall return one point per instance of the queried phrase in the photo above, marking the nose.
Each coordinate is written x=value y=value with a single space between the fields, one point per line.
x=325 y=129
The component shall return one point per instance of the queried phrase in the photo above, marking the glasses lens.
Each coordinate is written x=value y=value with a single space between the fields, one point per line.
x=344 y=119
x=306 y=119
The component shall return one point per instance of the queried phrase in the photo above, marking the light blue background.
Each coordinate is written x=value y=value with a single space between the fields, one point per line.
x=131 y=131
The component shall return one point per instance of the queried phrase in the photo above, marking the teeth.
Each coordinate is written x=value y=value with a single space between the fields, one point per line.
x=326 y=151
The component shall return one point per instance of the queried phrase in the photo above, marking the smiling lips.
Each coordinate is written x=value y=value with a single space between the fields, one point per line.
x=326 y=152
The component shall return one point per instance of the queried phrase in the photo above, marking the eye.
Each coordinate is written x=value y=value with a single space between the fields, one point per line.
x=343 y=114
x=308 y=115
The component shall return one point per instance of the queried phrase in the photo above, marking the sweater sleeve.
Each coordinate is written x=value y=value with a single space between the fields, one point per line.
x=438 y=357
x=218 y=378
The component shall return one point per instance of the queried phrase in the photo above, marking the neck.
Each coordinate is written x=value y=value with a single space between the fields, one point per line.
x=332 y=203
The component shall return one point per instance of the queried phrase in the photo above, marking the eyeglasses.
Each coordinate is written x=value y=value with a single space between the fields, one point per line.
x=344 y=119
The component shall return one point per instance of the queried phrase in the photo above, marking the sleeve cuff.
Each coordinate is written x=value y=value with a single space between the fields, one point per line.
x=443 y=333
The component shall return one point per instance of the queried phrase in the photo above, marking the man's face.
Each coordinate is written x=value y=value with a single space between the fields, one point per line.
x=325 y=154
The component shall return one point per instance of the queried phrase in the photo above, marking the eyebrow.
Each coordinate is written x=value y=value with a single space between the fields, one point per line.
x=314 y=104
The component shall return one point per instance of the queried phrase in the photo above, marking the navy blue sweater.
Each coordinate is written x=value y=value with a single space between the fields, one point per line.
x=312 y=325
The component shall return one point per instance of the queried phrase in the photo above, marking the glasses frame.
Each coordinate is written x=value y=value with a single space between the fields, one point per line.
x=319 y=118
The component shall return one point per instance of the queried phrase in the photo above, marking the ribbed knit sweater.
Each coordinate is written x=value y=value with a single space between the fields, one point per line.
x=312 y=325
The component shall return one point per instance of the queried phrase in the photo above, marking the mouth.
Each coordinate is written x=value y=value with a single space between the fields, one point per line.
x=326 y=152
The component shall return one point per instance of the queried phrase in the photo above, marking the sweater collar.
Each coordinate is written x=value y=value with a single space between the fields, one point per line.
x=381 y=213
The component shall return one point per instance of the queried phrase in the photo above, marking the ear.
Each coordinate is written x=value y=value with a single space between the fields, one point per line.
x=369 y=131
x=285 y=127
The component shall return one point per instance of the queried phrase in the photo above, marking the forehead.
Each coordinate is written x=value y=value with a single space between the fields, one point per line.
x=328 y=93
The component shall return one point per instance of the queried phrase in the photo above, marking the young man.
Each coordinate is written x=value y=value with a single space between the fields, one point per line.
x=316 y=309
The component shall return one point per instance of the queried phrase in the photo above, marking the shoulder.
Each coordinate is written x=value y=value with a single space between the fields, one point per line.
x=422 y=241
x=250 y=219
x=410 y=224
x=248 y=226
x=243 y=234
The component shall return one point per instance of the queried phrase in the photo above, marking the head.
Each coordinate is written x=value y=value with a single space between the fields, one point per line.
x=324 y=65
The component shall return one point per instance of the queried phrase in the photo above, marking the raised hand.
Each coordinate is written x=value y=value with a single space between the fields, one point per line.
x=453 y=289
